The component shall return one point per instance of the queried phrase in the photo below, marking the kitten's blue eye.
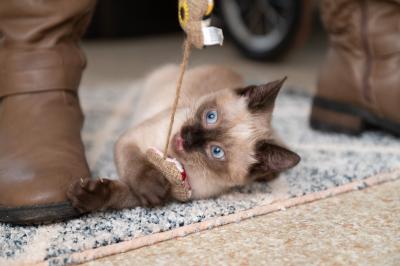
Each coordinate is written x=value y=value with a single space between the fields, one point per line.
x=212 y=117
x=217 y=152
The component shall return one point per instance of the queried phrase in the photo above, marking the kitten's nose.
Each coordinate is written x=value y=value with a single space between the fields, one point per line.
x=193 y=137
x=179 y=142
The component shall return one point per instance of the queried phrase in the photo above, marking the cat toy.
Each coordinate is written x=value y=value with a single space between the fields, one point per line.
x=194 y=20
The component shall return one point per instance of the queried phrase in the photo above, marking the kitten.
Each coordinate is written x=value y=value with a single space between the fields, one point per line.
x=222 y=135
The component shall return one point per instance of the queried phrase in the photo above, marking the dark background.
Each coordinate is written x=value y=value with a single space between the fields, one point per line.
x=128 y=18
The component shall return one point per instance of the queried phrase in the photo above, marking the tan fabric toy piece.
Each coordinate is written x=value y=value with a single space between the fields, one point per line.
x=193 y=19
x=174 y=172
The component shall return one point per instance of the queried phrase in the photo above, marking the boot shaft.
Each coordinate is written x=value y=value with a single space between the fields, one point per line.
x=361 y=25
x=39 y=48
x=363 y=63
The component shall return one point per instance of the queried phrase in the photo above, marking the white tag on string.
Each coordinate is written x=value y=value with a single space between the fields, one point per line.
x=212 y=36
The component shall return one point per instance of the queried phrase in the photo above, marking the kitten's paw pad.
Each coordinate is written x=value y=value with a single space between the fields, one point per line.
x=88 y=195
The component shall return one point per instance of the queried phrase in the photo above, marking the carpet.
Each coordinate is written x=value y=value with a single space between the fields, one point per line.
x=331 y=164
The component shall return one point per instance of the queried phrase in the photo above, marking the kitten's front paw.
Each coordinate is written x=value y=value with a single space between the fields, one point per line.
x=152 y=188
x=88 y=195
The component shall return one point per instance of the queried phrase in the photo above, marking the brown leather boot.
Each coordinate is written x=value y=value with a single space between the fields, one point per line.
x=359 y=85
x=41 y=151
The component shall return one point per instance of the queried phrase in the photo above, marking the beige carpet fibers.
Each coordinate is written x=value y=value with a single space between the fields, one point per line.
x=358 y=228
x=331 y=164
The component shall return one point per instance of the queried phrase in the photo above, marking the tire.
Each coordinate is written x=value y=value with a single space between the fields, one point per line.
x=270 y=41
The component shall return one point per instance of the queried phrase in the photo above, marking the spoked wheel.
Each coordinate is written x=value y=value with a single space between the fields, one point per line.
x=262 y=29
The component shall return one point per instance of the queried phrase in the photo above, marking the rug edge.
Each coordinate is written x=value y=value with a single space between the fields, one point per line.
x=96 y=253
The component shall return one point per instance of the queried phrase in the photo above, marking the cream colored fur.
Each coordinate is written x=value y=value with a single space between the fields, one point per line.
x=200 y=85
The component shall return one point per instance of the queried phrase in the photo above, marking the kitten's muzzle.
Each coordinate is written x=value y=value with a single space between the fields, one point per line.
x=193 y=137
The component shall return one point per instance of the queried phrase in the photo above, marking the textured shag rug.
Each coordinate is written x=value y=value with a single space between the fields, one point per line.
x=331 y=164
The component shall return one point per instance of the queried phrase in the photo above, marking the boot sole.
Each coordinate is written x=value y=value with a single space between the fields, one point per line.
x=332 y=116
x=42 y=214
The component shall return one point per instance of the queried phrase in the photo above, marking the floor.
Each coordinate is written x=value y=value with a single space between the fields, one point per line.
x=120 y=62
x=356 y=228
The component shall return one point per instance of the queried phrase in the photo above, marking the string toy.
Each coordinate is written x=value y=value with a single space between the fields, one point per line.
x=194 y=18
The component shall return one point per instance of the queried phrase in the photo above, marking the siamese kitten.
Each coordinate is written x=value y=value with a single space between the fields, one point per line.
x=222 y=135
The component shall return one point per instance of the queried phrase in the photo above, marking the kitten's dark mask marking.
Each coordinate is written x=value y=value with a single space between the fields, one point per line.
x=195 y=137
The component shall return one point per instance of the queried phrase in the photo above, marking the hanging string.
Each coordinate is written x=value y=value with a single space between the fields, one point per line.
x=185 y=60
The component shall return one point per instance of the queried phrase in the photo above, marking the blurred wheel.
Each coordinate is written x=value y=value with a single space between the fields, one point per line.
x=262 y=29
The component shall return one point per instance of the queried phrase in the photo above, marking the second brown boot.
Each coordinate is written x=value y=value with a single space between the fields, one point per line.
x=359 y=85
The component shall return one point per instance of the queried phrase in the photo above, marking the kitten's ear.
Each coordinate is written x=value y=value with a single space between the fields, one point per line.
x=272 y=158
x=262 y=97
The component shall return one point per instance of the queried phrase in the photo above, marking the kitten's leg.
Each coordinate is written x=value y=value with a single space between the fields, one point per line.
x=101 y=194
x=146 y=182
x=140 y=184
x=150 y=186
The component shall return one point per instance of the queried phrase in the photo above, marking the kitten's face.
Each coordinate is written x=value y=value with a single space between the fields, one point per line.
x=227 y=140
